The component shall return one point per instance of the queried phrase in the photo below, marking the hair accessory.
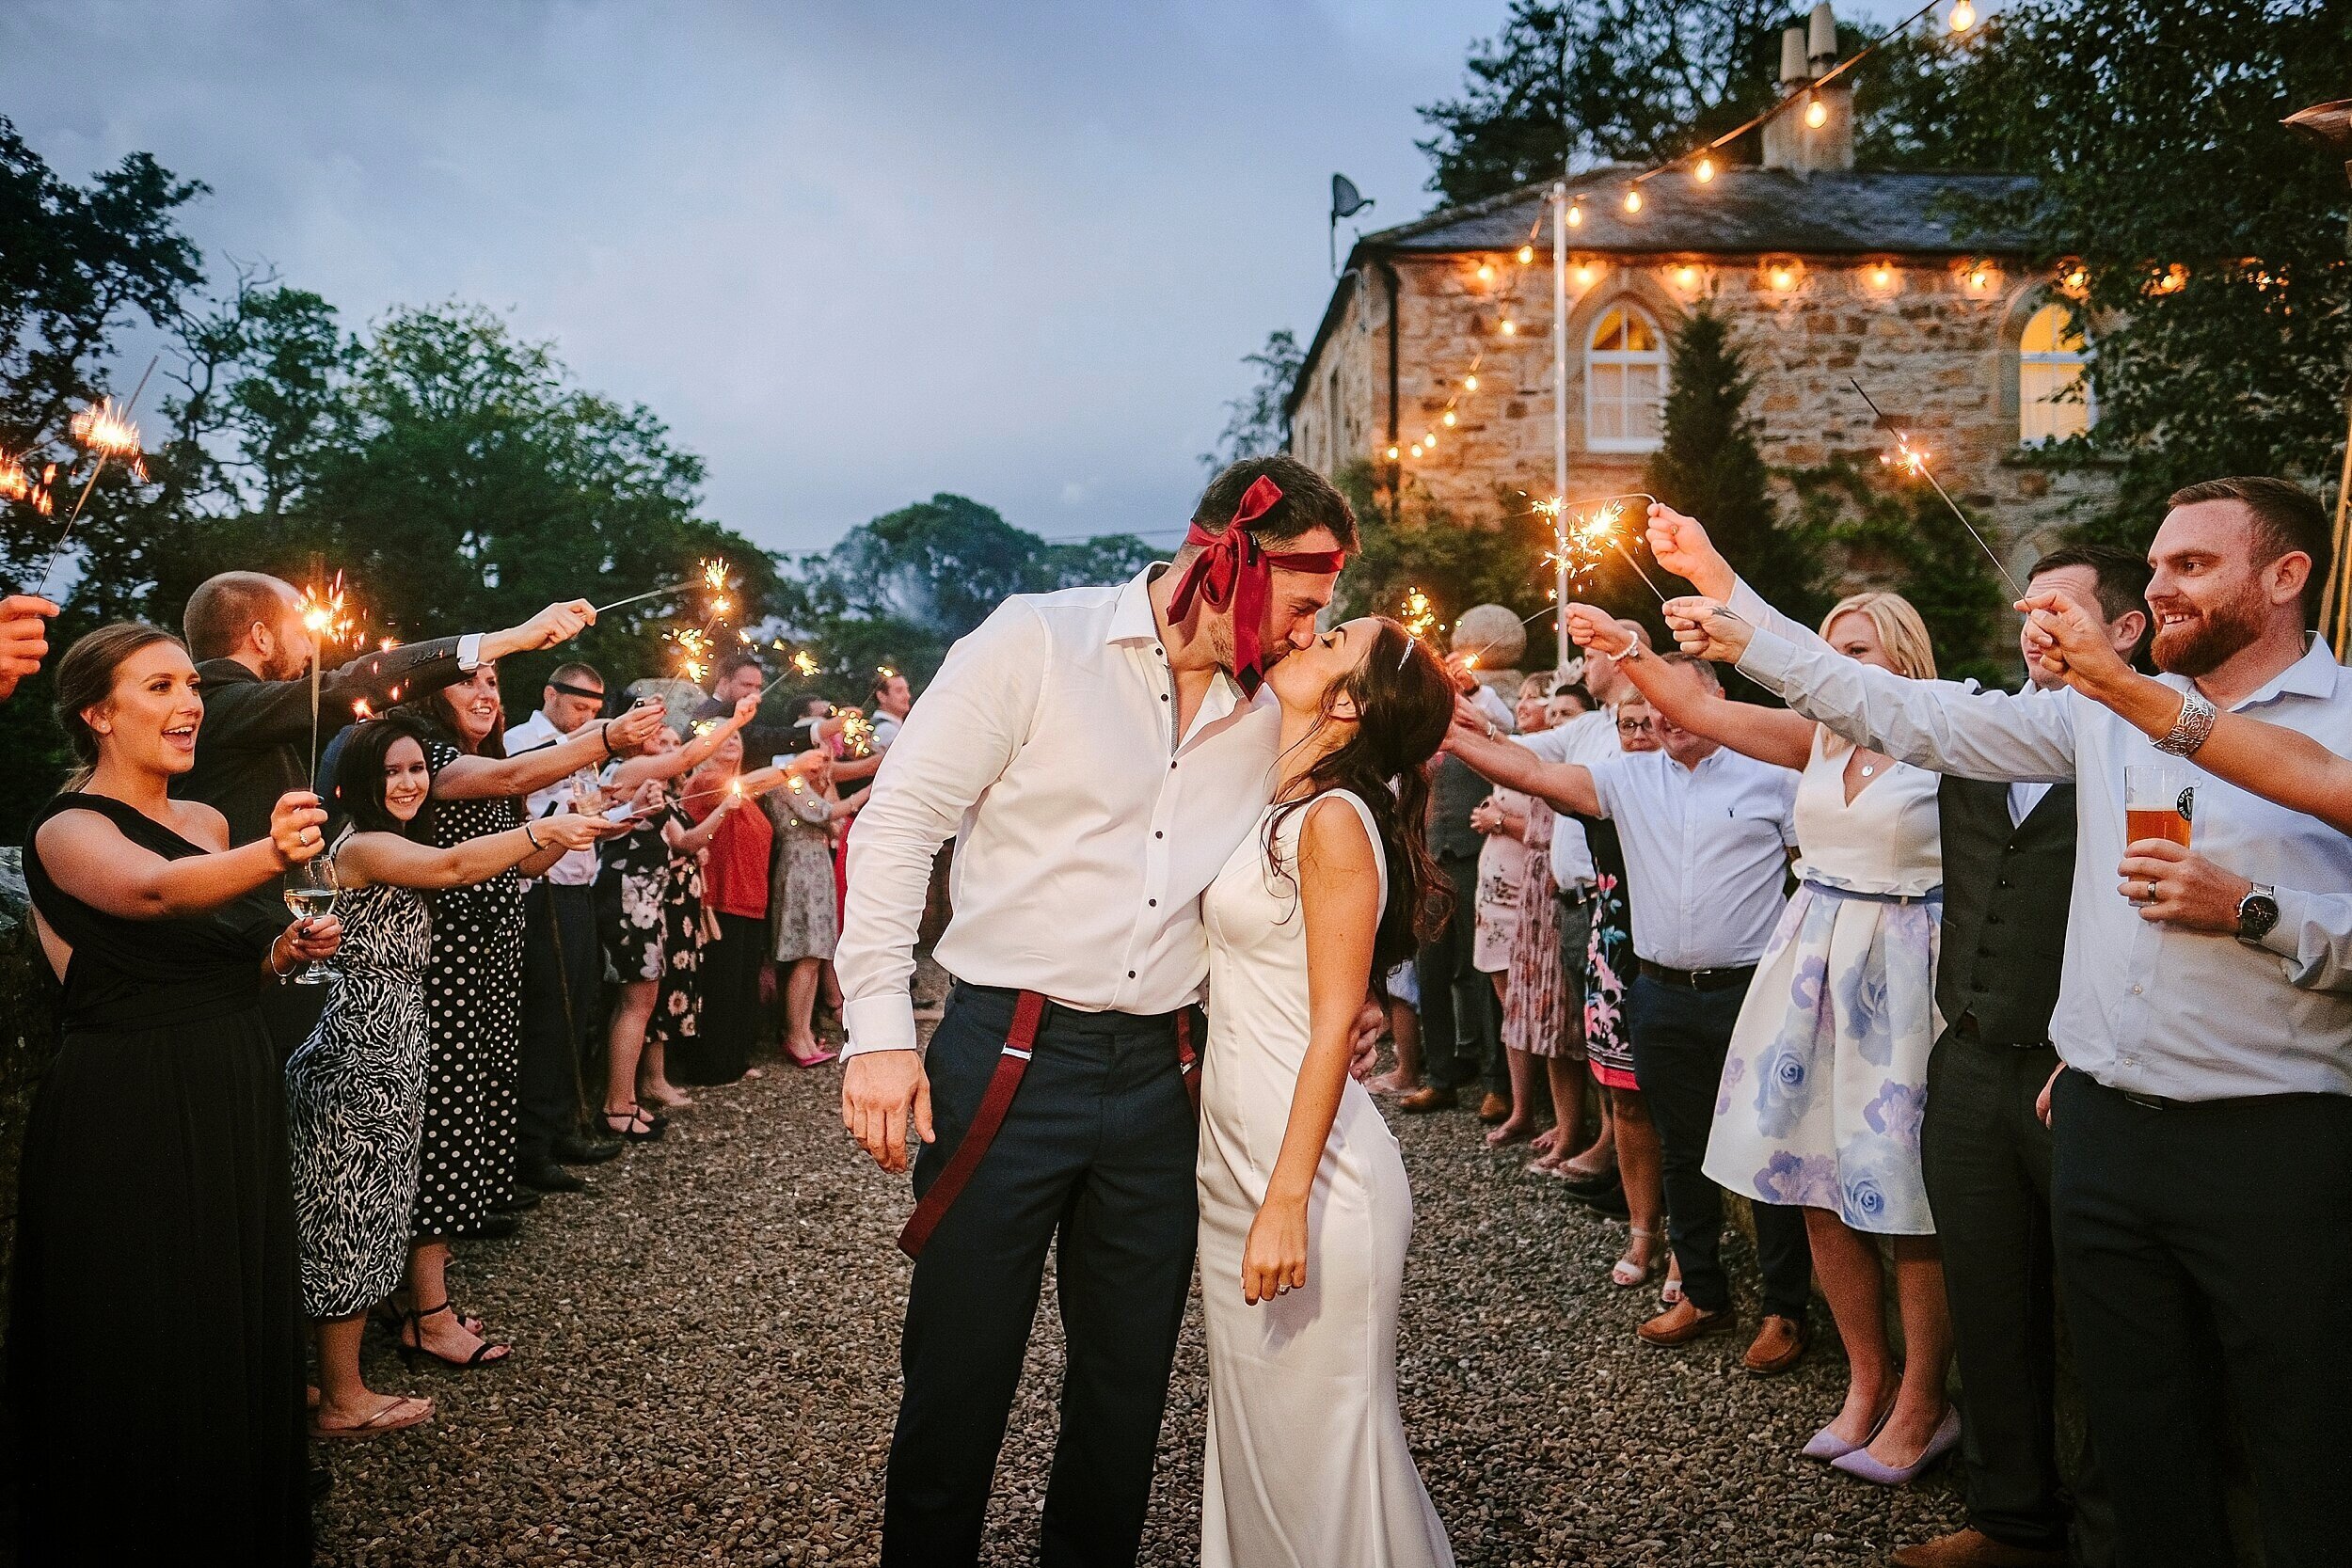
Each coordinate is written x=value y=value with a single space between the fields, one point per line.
x=1232 y=573
x=2190 y=729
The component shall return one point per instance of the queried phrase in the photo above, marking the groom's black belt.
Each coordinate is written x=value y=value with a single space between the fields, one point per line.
x=1028 y=1016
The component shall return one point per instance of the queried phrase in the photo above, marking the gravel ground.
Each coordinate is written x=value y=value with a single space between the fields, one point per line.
x=705 y=1371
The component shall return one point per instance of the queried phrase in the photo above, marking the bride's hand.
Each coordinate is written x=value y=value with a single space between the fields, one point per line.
x=1275 y=1258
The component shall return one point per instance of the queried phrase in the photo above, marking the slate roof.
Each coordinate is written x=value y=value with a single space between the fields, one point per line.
x=1743 y=210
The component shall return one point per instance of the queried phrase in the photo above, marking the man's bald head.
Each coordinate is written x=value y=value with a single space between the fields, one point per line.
x=247 y=615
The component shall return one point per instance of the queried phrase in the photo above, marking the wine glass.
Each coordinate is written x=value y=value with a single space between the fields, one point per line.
x=310 y=892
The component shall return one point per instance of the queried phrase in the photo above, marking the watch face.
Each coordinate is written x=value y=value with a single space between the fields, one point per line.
x=2257 y=914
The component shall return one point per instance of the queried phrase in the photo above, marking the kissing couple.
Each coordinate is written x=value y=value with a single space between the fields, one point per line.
x=1166 y=794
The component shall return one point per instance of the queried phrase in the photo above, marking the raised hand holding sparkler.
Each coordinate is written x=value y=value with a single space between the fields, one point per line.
x=23 y=637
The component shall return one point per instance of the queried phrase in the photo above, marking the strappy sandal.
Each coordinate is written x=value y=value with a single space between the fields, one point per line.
x=636 y=1124
x=402 y=1413
x=387 y=1316
x=1626 y=1273
x=487 y=1354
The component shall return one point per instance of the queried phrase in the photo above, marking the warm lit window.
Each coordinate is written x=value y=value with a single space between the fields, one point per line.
x=2053 y=389
x=1625 y=381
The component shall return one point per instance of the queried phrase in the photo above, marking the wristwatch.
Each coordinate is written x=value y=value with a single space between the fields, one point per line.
x=2257 y=913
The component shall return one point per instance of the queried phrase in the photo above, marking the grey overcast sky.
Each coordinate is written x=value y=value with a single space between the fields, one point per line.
x=853 y=254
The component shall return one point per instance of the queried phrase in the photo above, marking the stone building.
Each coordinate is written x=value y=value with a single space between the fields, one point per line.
x=1434 y=359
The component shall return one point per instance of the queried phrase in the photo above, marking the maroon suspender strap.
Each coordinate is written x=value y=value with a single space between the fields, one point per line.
x=1188 y=1053
x=1027 y=1014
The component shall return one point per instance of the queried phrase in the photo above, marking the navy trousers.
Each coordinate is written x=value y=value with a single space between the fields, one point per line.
x=1680 y=1037
x=1095 y=1163
x=562 y=1003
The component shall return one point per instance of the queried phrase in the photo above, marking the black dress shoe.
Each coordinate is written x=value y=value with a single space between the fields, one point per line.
x=549 y=1176
x=521 y=1200
x=574 y=1149
x=1609 y=1200
x=497 y=1226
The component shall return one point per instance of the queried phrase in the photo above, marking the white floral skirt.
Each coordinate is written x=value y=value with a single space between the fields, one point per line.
x=1826 y=1078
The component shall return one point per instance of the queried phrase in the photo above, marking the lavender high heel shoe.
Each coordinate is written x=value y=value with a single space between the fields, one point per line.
x=1827 y=1445
x=1860 y=1465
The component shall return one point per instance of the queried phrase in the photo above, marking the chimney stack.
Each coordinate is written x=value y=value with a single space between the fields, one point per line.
x=1790 y=142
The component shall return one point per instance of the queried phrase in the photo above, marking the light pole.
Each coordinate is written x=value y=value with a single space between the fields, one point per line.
x=1560 y=420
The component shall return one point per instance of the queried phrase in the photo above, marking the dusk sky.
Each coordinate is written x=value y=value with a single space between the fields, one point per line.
x=853 y=254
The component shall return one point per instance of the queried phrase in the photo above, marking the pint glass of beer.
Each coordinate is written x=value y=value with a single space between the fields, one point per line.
x=2158 y=801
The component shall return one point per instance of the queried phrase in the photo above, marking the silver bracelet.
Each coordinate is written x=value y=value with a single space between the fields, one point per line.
x=2188 y=731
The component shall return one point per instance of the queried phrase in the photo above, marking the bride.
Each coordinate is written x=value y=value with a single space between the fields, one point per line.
x=1304 y=1209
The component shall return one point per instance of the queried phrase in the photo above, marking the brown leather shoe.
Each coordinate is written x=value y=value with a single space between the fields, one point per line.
x=1681 y=1323
x=1428 y=1097
x=1971 y=1548
x=1778 y=1344
x=1494 y=1108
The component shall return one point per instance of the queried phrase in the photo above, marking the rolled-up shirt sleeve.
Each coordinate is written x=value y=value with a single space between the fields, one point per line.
x=1940 y=725
x=2315 y=937
x=957 y=742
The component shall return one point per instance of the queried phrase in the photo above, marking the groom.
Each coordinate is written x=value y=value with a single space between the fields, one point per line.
x=1096 y=754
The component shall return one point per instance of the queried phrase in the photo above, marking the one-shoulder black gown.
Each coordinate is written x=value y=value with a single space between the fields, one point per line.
x=154 y=1334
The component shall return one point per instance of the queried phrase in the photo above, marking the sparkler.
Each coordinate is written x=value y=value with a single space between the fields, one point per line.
x=109 y=433
x=323 y=618
x=649 y=594
x=1913 y=459
x=1579 y=546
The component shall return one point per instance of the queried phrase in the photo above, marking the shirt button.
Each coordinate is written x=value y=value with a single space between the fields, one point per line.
x=1163 y=696
x=1157 y=833
x=1171 y=768
x=1131 y=974
x=2135 y=991
x=1152 y=902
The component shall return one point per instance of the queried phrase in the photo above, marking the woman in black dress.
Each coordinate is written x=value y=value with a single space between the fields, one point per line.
x=154 y=1340
x=473 y=1000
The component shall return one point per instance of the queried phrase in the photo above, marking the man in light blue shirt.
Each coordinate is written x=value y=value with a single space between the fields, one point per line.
x=2202 y=1119
x=1705 y=834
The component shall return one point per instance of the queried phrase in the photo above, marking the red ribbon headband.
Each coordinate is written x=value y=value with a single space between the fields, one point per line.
x=1232 y=572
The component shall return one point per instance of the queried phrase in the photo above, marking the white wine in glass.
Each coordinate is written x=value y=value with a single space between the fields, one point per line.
x=311 y=893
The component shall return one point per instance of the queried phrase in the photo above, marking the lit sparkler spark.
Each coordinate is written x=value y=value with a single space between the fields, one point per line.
x=1913 y=460
x=883 y=671
x=858 y=735
x=805 y=663
x=107 y=433
x=1599 y=529
x=1421 y=617
x=714 y=574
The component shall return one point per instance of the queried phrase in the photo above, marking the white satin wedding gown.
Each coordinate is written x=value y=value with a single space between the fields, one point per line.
x=1308 y=1461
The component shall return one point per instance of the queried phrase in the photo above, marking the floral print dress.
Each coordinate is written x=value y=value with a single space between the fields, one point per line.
x=1822 y=1090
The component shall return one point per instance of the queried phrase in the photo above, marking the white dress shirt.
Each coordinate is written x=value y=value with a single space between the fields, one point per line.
x=2144 y=1008
x=1705 y=852
x=1085 y=828
x=575 y=867
x=2024 y=795
x=1585 y=739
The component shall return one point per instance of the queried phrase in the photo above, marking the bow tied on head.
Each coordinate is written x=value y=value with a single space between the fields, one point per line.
x=1234 y=572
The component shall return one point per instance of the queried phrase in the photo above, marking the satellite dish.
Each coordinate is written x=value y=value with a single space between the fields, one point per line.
x=1347 y=201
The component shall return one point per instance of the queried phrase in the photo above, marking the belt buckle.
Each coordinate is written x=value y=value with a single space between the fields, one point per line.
x=2146 y=1101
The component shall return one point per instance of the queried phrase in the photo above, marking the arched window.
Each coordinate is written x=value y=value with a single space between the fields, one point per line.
x=1625 y=381
x=2053 y=387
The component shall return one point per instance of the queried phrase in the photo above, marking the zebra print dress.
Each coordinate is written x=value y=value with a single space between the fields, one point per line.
x=354 y=1093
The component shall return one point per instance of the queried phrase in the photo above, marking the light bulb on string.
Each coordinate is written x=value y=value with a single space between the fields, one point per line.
x=1816 y=112
x=1448 y=421
x=1633 y=198
x=1486 y=272
x=1576 y=214
x=1391 y=455
x=1704 y=169
x=1527 y=254
x=1470 y=383
x=1509 y=326
x=1963 y=17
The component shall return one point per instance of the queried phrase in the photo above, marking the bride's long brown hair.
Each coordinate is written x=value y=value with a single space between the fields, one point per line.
x=1404 y=704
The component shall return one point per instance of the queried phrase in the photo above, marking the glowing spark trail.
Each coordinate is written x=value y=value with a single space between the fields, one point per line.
x=1913 y=459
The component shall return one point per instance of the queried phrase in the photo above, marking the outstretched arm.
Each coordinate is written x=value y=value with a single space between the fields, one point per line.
x=1339 y=888
x=396 y=862
x=669 y=765
x=491 y=778
x=89 y=858
x=1771 y=735
x=2279 y=764
x=1567 y=785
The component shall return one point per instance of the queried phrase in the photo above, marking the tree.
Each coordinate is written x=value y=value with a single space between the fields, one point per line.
x=1457 y=561
x=1254 y=423
x=2217 y=286
x=1584 y=81
x=1709 y=465
x=899 y=589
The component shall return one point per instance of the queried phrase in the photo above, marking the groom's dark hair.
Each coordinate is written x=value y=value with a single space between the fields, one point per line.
x=1308 y=503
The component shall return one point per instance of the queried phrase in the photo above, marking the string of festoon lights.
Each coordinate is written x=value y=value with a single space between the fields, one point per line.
x=1703 y=162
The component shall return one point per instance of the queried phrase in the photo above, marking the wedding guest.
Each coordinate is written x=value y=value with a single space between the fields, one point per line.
x=634 y=892
x=473 y=988
x=24 y=640
x=1461 y=1039
x=2202 y=1118
x=1823 y=1085
x=1401 y=1008
x=892 y=701
x=735 y=889
x=1705 y=833
x=1502 y=869
x=561 y=976
x=1542 y=1004
x=803 y=902
x=1986 y=1155
x=355 y=1089
x=156 y=1356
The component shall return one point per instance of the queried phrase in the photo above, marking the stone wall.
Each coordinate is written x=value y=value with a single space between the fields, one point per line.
x=1935 y=343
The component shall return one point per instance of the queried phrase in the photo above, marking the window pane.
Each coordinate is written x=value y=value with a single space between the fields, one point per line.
x=1643 y=391
x=1640 y=334
x=2051 y=331
x=2050 y=402
x=1609 y=334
